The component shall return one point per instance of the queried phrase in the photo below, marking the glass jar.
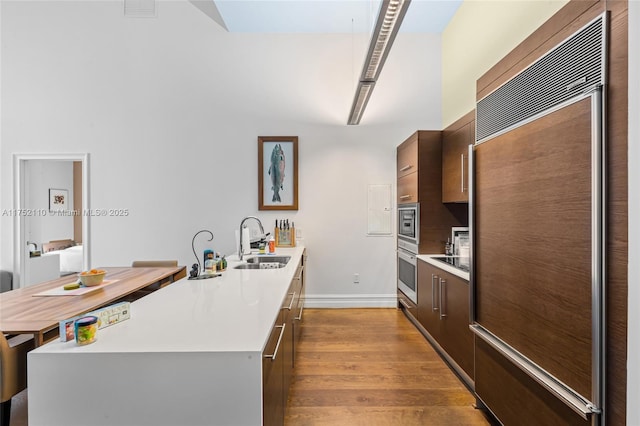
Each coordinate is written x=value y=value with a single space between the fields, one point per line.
x=85 y=330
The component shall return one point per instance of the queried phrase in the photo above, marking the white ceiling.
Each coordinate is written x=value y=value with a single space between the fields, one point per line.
x=328 y=16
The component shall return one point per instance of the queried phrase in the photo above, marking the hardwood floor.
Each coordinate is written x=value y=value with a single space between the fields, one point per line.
x=372 y=367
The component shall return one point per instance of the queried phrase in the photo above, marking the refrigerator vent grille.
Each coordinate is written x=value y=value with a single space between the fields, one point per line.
x=564 y=72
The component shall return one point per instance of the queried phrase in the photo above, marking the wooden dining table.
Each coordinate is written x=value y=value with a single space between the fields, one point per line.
x=28 y=311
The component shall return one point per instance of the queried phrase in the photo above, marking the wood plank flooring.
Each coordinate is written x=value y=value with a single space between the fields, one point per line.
x=372 y=367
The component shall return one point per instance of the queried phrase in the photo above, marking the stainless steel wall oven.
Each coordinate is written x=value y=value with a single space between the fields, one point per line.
x=408 y=241
x=408 y=274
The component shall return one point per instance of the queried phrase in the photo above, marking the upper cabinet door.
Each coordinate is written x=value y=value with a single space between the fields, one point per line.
x=455 y=163
x=408 y=157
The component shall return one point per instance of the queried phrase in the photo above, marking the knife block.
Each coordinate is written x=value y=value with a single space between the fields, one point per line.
x=285 y=237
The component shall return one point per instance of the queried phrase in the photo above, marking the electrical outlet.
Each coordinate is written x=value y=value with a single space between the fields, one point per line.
x=299 y=233
x=356 y=278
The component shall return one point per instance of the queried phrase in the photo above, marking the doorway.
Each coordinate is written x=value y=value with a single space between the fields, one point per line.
x=51 y=231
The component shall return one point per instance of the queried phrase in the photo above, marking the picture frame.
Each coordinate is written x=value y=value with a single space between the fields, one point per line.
x=58 y=200
x=277 y=172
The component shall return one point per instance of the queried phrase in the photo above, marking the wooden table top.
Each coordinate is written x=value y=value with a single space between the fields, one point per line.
x=23 y=313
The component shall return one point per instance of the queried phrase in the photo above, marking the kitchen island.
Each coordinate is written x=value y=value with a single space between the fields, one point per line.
x=191 y=354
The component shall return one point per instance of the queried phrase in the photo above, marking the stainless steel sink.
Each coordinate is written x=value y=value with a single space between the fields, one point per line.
x=265 y=262
x=269 y=259
x=248 y=266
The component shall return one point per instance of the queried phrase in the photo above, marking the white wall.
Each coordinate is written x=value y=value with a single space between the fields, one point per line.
x=170 y=110
x=40 y=176
x=633 y=321
x=480 y=34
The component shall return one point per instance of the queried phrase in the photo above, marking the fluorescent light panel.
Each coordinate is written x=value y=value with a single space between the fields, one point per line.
x=390 y=17
x=360 y=101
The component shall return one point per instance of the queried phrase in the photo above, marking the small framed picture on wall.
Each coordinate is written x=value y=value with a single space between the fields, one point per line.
x=58 y=200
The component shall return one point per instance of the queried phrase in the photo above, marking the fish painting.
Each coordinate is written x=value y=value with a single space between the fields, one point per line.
x=276 y=172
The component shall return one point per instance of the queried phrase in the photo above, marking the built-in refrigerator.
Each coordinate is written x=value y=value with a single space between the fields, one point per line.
x=537 y=236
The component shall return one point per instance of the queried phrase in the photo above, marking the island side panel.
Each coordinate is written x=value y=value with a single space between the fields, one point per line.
x=188 y=388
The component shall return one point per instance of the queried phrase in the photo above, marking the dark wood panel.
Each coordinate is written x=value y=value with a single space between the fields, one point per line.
x=455 y=142
x=533 y=240
x=427 y=294
x=573 y=16
x=617 y=211
x=407 y=157
x=569 y=19
x=436 y=219
x=408 y=189
x=514 y=397
x=457 y=338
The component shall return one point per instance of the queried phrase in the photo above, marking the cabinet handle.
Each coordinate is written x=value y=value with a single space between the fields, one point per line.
x=443 y=287
x=299 y=317
x=403 y=303
x=461 y=172
x=299 y=277
x=433 y=293
x=275 y=351
x=293 y=296
x=405 y=197
x=405 y=168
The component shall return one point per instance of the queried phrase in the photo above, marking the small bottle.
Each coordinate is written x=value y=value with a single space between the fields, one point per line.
x=272 y=245
x=448 y=250
x=209 y=263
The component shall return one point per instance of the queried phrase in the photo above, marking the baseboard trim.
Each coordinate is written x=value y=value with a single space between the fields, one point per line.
x=350 y=301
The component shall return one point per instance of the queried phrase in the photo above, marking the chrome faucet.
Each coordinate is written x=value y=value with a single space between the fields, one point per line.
x=240 y=252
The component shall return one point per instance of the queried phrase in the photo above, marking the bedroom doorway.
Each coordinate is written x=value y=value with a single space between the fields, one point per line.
x=51 y=229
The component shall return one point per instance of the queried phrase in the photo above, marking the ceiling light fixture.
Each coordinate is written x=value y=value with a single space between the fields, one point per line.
x=389 y=19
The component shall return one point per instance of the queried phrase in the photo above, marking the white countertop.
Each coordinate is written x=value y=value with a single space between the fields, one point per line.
x=231 y=313
x=442 y=265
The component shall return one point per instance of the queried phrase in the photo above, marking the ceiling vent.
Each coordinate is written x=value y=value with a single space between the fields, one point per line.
x=140 y=8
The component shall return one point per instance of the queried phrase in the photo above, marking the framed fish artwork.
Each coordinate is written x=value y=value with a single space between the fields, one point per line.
x=278 y=172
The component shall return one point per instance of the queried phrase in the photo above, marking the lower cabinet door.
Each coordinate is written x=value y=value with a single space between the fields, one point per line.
x=456 y=337
x=273 y=386
x=428 y=298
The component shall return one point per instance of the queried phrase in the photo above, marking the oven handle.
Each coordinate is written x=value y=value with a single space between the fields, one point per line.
x=406 y=256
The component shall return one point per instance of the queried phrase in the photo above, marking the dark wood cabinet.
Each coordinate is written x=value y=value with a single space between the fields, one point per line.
x=455 y=159
x=457 y=338
x=407 y=159
x=443 y=312
x=419 y=173
x=297 y=315
x=279 y=354
x=273 y=375
x=428 y=303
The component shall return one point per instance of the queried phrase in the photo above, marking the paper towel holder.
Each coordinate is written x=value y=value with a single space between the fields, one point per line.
x=194 y=274
x=240 y=248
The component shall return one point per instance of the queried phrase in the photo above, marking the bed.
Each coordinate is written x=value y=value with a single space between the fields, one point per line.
x=70 y=253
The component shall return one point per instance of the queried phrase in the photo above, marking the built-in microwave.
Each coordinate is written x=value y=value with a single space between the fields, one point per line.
x=409 y=227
